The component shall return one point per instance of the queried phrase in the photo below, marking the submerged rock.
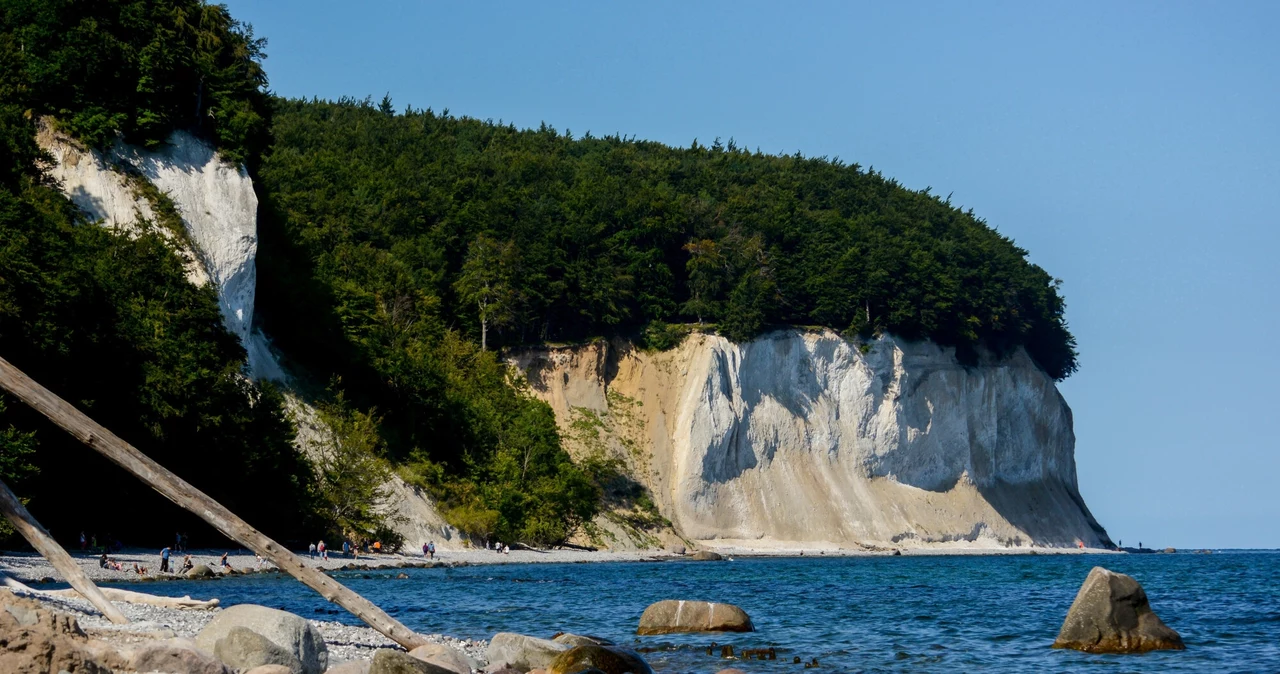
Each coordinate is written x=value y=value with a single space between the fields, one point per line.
x=607 y=659
x=292 y=633
x=1111 y=614
x=522 y=652
x=706 y=556
x=666 y=617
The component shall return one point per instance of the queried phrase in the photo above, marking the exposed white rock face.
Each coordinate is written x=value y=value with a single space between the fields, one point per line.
x=802 y=440
x=217 y=204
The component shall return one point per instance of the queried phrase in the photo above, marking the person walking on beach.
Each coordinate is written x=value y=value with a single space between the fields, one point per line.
x=84 y=542
x=431 y=550
x=313 y=551
x=164 y=560
x=324 y=552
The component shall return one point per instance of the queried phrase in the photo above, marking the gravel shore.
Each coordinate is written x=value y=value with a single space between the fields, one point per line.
x=345 y=642
x=32 y=568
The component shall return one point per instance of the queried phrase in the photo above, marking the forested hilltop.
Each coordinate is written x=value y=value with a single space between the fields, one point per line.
x=524 y=236
x=109 y=321
x=399 y=253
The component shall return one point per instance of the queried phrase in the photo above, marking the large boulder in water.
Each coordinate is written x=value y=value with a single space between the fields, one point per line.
x=607 y=659
x=671 y=615
x=1111 y=615
x=292 y=633
x=522 y=652
x=706 y=556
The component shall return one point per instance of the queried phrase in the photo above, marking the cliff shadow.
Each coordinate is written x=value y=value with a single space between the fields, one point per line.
x=1049 y=512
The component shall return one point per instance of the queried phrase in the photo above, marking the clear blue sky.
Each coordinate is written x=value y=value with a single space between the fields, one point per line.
x=1133 y=148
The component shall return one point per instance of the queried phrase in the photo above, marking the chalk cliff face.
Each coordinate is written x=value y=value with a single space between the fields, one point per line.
x=215 y=199
x=219 y=212
x=805 y=440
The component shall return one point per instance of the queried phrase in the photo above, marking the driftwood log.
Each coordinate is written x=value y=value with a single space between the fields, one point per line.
x=40 y=539
x=126 y=596
x=186 y=496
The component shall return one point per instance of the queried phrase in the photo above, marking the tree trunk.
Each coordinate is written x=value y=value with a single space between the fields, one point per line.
x=182 y=493
x=40 y=539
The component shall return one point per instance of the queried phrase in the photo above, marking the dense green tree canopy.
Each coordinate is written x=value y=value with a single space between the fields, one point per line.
x=141 y=68
x=612 y=234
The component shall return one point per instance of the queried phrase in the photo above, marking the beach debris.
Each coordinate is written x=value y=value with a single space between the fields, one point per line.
x=706 y=556
x=522 y=652
x=242 y=648
x=130 y=597
x=294 y=634
x=726 y=651
x=1111 y=614
x=445 y=657
x=672 y=615
x=607 y=659
x=25 y=524
x=182 y=493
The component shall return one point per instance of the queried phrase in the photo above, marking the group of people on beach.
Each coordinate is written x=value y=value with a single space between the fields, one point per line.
x=349 y=549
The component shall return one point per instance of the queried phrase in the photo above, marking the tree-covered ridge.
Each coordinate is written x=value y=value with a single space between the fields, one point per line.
x=138 y=67
x=110 y=323
x=597 y=236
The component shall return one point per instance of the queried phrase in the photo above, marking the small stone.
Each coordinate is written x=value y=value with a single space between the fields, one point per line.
x=1111 y=614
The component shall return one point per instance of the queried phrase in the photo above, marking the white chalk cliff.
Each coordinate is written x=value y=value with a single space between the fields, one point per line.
x=219 y=212
x=804 y=440
x=215 y=199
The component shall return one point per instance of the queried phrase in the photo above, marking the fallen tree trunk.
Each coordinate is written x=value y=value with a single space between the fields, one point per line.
x=40 y=539
x=186 y=496
x=127 y=596
x=130 y=597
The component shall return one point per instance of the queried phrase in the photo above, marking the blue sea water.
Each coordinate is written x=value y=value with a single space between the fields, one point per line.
x=879 y=614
